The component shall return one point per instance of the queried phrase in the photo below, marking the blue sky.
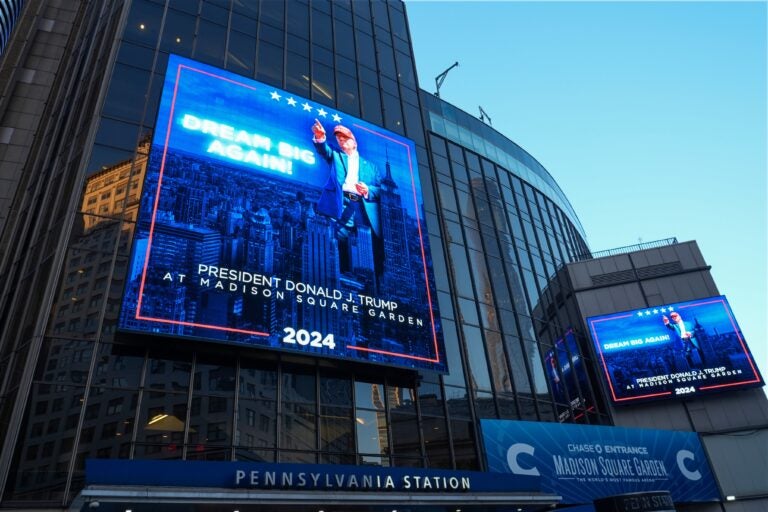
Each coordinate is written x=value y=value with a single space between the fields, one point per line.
x=650 y=115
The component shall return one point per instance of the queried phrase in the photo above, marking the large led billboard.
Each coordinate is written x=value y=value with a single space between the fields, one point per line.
x=682 y=349
x=267 y=219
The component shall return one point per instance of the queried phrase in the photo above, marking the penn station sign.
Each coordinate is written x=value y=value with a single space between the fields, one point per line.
x=346 y=480
x=301 y=477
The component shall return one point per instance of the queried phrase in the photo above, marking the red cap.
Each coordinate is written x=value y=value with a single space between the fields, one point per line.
x=339 y=129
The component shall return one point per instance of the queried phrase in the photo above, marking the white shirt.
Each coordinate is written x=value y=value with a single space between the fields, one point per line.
x=353 y=173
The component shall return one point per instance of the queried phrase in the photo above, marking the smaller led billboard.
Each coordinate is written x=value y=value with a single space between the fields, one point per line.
x=567 y=378
x=674 y=350
x=270 y=220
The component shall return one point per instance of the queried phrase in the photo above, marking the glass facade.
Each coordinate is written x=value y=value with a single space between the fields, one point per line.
x=499 y=229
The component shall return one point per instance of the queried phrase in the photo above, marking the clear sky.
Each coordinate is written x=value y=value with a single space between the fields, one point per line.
x=650 y=115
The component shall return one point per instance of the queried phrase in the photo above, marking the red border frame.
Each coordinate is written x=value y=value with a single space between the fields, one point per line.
x=138 y=315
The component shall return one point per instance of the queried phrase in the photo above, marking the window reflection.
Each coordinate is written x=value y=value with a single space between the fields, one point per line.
x=143 y=24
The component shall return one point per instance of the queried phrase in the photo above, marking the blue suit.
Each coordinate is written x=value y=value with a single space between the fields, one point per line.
x=332 y=201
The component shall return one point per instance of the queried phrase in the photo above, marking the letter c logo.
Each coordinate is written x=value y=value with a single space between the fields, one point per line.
x=512 y=454
x=682 y=456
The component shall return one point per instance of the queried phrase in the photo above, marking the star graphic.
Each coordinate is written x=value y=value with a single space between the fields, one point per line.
x=639 y=313
x=321 y=112
x=663 y=310
x=655 y=311
x=647 y=313
x=671 y=308
x=275 y=96
x=306 y=107
x=336 y=118
x=291 y=101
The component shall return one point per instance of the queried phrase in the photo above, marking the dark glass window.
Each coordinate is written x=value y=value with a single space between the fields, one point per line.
x=256 y=423
x=347 y=100
x=257 y=382
x=323 y=88
x=117 y=134
x=248 y=8
x=345 y=41
x=335 y=391
x=143 y=25
x=241 y=53
x=393 y=114
x=386 y=60
x=336 y=430
x=297 y=74
x=270 y=64
x=214 y=13
x=463 y=437
x=365 y=49
x=242 y=23
x=298 y=386
x=211 y=40
x=477 y=360
x=321 y=29
x=298 y=427
x=127 y=90
x=178 y=33
x=273 y=12
x=188 y=6
x=436 y=443
x=371 y=103
x=214 y=377
x=453 y=355
x=271 y=35
x=298 y=18
x=168 y=374
x=135 y=55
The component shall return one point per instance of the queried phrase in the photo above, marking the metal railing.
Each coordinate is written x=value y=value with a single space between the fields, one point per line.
x=628 y=248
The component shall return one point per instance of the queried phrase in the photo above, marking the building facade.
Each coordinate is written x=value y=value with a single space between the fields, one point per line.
x=76 y=143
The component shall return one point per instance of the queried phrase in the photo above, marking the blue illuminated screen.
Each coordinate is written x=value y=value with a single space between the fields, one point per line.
x=674 y=350
x=568 y=378
x=270 y=220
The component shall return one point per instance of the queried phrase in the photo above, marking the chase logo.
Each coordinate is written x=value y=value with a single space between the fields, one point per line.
x=512 y=459
x=682 y=456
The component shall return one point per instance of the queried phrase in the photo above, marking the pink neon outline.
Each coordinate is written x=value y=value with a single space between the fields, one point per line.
x=258 y=333
x=731 y=384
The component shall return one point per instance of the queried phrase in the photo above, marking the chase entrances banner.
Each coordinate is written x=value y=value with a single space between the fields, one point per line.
x=269 y=220
x=583 y=463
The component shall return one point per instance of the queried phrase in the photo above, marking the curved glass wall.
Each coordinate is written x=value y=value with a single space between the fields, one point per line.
x=456 y=125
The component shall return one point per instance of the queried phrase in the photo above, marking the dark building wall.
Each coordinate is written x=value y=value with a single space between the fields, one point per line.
x=733 y=425
x=29 y=69
x=499 y=229
x=44 y=206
